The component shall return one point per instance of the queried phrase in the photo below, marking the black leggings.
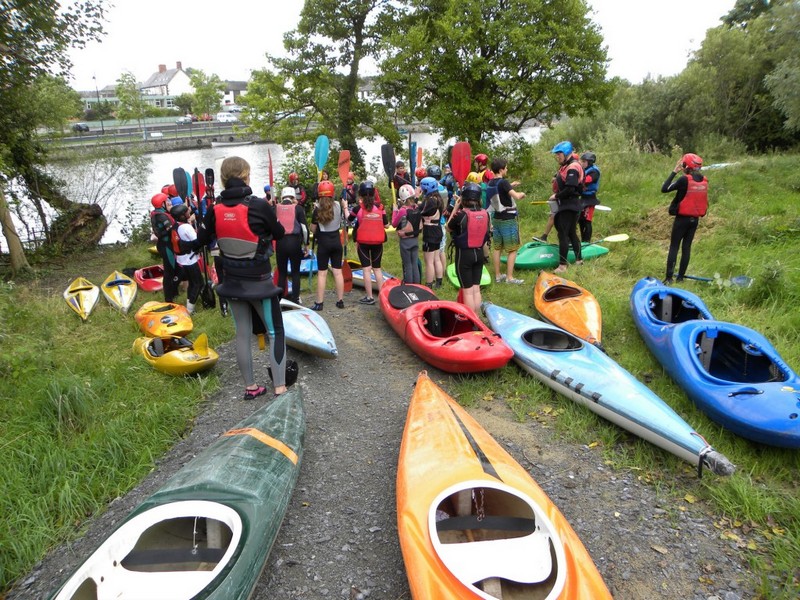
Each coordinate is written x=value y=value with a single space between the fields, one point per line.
x=289 y=251
x=566 y=222
x=683 y=230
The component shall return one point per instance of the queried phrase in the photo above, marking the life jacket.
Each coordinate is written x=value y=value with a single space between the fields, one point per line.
x=695 y=202
x=571 y=165
x=409 y=223
x=244 y=255
x=370 y=226
x=286 y=217
x=493 y=196
x=474 y=234
x=591 y=181
x=178 y=245
x=162 y=223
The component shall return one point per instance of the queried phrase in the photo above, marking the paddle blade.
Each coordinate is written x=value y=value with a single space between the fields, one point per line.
x=347 y=275
x=419 y=156
x=179 y=179
x=209 y=178
x=271 y=177
x=198 y=184
x=460 y=161
x=188 y=183
x=322 y=148
x=619 y=237
x=387 y=156
x=602 y=208
x=412 y=159
x=344 y=165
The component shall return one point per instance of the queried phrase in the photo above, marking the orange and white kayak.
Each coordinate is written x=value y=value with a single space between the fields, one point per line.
x=472 y=522
x=164 y=319
x=567 y=305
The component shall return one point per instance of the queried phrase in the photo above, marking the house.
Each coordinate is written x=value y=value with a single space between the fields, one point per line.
x=233 y=91
x=165 y=84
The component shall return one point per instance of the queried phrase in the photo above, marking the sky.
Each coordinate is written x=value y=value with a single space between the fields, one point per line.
x=231 y=38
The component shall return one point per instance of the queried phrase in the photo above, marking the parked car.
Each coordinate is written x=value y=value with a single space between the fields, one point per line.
x=185 y=120
x=226 y=117
x=80 y=127
x=205 y=117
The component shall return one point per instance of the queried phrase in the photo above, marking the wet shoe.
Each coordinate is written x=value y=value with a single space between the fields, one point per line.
x=340 y=304
x=679 y=278
x=500 y=279
x=252 y=394
x=317 y=306
x=515 y=281
x=367 y=300
x=560 y=269
x=668 y=281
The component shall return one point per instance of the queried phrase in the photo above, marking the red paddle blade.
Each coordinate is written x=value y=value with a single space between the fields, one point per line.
x=347 y=275
x=344 y=165
x=199 y=184
x=460 y=161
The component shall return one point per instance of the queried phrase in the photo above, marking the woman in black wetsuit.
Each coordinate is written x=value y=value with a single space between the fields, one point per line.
x=326 y=221
x=689 y=204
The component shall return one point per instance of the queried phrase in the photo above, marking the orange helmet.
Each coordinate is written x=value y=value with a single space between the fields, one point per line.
x=481 y=159
x=691 y=161
x=325 y=189
x=293 y=178
x=159 y=200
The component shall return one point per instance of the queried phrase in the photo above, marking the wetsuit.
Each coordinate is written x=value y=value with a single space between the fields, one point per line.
x=329 y=244
x=685 y=225
x=289 y=249
x=566 y=186
x=470 y=231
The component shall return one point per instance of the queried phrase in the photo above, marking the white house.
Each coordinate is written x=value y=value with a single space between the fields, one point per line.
x=167 y=83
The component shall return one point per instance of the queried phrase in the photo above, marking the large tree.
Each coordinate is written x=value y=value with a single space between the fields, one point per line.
x=35 y=36
x=208 y=90
x=784 y=81
x=315 y=89
x=472 y=68
x=132 y=105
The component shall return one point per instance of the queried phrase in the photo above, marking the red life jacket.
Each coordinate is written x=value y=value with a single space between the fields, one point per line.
x=234 y=236
x=474 y=234
x=695 y=202
x=562 y=173
x=370 y=226
x=286 y=217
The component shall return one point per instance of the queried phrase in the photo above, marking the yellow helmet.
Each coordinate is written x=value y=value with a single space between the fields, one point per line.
x=473 y=177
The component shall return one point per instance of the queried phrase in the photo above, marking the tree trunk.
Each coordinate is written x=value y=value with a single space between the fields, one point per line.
x=19 y=263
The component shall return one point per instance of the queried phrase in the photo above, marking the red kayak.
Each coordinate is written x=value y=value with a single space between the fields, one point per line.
x=445 y=334
x=150 y=279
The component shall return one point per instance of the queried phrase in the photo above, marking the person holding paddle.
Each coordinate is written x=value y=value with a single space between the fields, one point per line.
x=567 y=187
x=326 y=221
x=370 y=235
x=431 y=212
x=289 y=249
x=188 y=266
x=244 y=226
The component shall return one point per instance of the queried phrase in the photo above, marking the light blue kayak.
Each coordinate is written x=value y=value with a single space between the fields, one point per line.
x=584 y=373
x=307 y=331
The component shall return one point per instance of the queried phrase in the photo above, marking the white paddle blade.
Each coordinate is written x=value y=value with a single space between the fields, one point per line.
x=619 y=237
x=602 y=208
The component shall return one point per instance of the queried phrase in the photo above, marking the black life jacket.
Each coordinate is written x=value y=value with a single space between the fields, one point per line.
x=162 y=223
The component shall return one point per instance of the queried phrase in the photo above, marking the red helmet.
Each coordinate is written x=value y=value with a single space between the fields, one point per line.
x=691 y=161
x=482 y=159
x=159 y=200
x=421 y=172
x=325 y=189
x=293 y=178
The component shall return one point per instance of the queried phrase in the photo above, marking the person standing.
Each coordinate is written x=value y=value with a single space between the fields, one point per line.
x=289 y=250
x=350 y=191
x=326 y=221
x=370 y=235
x=591 y=183
x=689 y=204
x=188 y=267
x=401 y=176
x=244 y=226
x=431 y=211
x=406 y=220
x=469 y=226
x=162 y=222
x=300 y=193
x=567 y=186
x=502 y=198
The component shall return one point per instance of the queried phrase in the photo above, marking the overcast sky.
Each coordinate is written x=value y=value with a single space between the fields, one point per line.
x=231 y=38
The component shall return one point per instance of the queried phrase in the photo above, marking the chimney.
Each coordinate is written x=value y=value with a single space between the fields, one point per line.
x=162 y=68
x=179 y=66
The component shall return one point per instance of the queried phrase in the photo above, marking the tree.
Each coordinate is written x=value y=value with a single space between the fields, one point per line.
x=784 y=81
x=473 y=68
x=184 y=103
x=208 y=92
x=132 y=105
x=34 y=40
x=315 y=89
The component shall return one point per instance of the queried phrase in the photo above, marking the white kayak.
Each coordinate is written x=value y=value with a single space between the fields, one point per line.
x=307 y=331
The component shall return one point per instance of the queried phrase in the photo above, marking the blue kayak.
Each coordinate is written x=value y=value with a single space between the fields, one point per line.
x=584 y=373
x=732 y=373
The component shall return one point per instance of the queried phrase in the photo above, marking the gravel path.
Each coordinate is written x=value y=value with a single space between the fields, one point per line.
x=339 y=538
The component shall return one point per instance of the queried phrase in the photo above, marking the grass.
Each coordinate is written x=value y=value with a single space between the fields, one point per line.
x=82 y=420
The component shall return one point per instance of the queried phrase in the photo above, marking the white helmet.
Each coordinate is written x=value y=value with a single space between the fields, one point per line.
x=405 y=192
x=287 y=192
x=372 y=178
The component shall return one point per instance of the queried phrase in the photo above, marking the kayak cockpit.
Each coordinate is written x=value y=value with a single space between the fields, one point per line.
x=552 y=340
x=497 y=542
x=672 y=308
x=728 y=357
x=170 y=551
x=444 y=322
x=560 y=292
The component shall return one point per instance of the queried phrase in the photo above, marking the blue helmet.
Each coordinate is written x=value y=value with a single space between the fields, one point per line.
x=175 y=201
x=564 y=147
x=429 y=185
x=268 y=188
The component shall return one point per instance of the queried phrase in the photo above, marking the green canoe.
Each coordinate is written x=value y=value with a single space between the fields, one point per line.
x=207 y=533
x=540 y=255
x=486 y=279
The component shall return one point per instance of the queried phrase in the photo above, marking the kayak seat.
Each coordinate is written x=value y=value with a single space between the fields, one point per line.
x=156 y=348
x=551 y=340
x=560 y=292
x=403 y=296
x=734 y=359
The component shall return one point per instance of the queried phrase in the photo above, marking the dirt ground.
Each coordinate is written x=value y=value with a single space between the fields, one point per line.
x=339 y=537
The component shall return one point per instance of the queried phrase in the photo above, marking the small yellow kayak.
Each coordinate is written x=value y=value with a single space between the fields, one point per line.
x=177 y=355
x=81 y=296
x=120 y=291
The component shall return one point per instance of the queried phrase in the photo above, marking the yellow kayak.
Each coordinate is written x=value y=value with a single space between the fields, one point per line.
x=120 y=291
x=81 y=296
x=164 y=319
x=177 y=355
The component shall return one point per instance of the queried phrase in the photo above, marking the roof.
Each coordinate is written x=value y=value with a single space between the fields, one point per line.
x=160 y=78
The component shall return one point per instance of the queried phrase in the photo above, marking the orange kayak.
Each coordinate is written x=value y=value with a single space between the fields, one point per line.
x=164 y=319
x=471 y=521
x=567 y=305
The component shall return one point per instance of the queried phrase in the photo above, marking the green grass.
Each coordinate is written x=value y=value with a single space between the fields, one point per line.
x=82 y=420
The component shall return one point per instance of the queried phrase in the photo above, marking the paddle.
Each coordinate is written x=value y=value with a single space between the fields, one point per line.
x=271 y=178
x=207 y=296
x=419 y=156
x=739 y=280
x=412 y=160
x=322 y=148
x=179 y=179
x=600 y=207
x=389 y=161
x=460 y=159
x=618 y=237
x=344 y=170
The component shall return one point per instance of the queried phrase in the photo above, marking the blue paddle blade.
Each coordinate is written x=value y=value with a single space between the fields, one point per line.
x=412 y=160
x=189 y=186
x=321 y=149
